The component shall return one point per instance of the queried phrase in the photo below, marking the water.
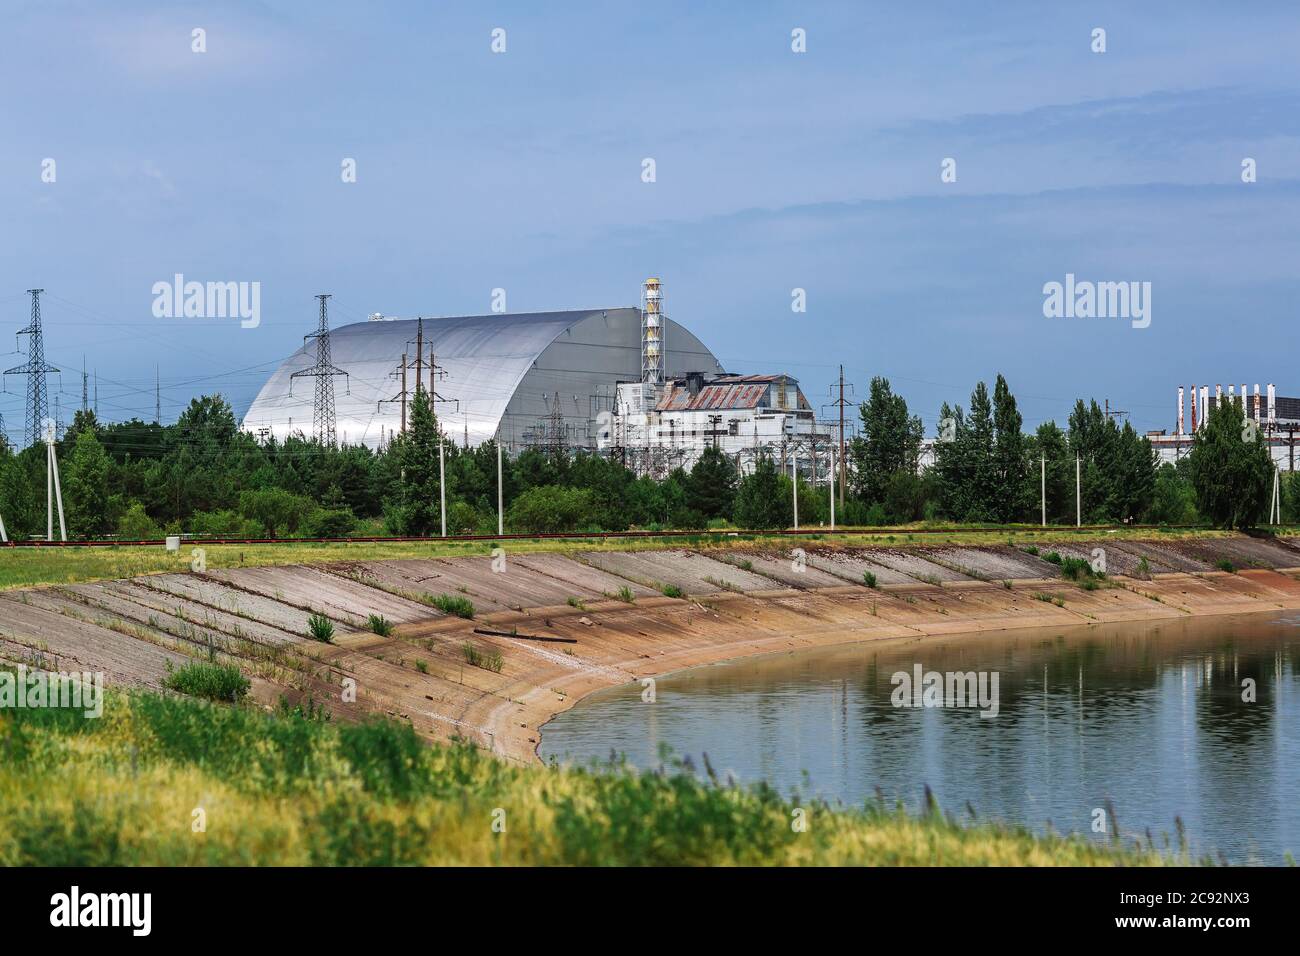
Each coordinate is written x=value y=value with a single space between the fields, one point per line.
x=1149 y=716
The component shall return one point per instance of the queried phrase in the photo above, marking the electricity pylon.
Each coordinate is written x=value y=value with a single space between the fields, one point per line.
x=323 y=424
x=35 y=368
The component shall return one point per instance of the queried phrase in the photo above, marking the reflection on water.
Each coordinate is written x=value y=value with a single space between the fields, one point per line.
x=1148 y=716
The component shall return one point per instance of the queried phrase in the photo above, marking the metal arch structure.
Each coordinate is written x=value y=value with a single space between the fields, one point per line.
x=502 y=372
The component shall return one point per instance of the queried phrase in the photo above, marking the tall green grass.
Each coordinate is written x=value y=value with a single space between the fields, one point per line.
x=292 y=789
x=212 y=681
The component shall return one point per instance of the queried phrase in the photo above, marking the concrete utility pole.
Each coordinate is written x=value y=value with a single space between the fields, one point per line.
x=794 y=471
x=832 y=472
x=1078 y=494
x=1044 y=486
x=501 y=526
x=53 y=487
x=442 y=484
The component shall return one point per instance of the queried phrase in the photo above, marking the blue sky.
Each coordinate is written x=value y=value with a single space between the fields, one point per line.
x=775 y=170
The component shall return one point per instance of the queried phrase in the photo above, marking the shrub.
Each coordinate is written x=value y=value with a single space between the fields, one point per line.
x=1143 y=568
x=453 y=604
x=1223 y=564
x=136 y=525
x=578 y=603
x=1075 y=569
x=213 y=681
x=320 y=628
x=380 y=625
x=1053 y=557
x=552 y=508
x=223 y=524
x=488 y=660
x=869 y=579
x=330 y=523
x=672 y=591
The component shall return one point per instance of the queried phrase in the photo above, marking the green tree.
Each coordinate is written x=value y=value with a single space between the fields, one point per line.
x=418 y=510
x=552 y=508
x=86 y=487
x=711 y=485
x=890 y=442
x=276 y=510
x=136 y=525
x=764 y=499
x=1231 y=469
x=1010 y=491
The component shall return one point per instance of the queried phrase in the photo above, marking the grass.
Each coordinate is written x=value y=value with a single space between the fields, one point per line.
x=452 y=604
x=672 y=591
x=320 y=628
x=625 y=595
x=488 y=660
x=380 y=625
x=869 y=579
x=23 y=567
x=211 y=681
x=578 y=603
x=292 y=790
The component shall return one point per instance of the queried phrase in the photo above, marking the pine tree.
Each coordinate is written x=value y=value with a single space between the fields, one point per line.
x=419 y=510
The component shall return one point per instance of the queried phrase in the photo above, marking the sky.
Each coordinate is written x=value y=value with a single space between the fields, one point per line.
x=774 y=170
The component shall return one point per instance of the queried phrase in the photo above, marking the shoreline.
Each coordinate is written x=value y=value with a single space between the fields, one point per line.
x=516 y=723
x=543 y=630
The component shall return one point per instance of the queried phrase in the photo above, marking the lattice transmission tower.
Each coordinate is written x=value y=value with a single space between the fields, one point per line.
x=323 y=424
x=35 y=368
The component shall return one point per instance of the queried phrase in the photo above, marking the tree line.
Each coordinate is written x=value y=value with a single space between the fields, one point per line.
x=203 y=476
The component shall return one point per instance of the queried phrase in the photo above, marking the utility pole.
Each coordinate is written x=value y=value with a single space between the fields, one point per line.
x=85 y=386
x=501 y=528
x=841 y=403
x=35 y=369
x=1078 y=494
x=794 y=476
x=442 y=483
x=1044 y=485
x=53 y=487
x=419 y=352
x=832 y=486
x=157 y=395
x=323 y=419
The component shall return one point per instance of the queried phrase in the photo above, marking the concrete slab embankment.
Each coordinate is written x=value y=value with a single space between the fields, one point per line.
x=449 y=678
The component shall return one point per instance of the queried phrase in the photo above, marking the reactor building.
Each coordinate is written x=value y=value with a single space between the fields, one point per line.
x=626 y=381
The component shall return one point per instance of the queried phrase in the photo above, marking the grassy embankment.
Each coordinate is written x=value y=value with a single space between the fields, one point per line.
x=24 y=567
x=291 y=789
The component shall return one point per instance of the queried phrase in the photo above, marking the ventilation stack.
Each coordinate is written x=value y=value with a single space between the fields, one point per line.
x=1180 y=411
x=652 y=333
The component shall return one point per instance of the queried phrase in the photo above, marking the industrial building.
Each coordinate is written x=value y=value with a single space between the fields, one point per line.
x=1276 y=420
x=658 y=428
